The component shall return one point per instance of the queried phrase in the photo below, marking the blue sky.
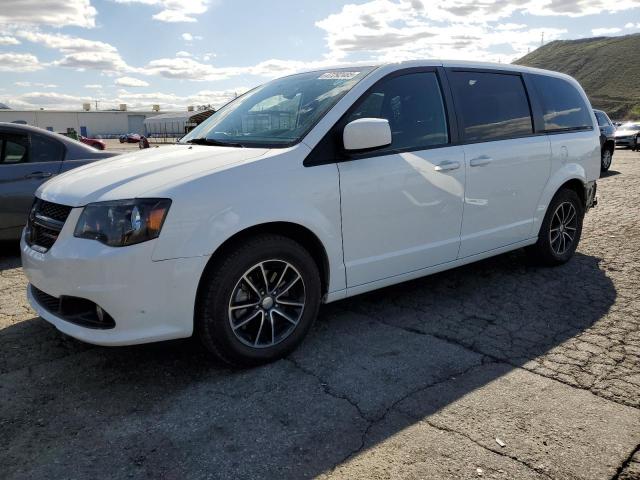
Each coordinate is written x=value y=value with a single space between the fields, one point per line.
x=61 y=53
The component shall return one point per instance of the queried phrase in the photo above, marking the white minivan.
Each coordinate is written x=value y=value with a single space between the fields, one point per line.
x=310 y=189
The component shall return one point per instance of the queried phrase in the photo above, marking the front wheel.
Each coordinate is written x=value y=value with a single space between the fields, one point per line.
x=258 y=302
x=560 y=231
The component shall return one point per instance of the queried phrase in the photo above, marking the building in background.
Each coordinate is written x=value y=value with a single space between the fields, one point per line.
x=175 y=124
x=105 y=124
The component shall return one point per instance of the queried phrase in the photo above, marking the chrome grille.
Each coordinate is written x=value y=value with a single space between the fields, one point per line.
x=45 y=222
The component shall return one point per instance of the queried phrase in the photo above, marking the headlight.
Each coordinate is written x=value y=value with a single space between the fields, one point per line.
x=123 y=222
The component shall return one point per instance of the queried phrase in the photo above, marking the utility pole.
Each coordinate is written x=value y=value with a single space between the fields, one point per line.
x=96 y=105
x=542 y=39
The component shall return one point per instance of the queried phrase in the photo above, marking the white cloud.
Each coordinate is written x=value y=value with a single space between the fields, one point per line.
x=182 y=53
x=35 y=84
x=79 y=53
x=188 y=68
x=7 y=40
x=175 y=10
x=167 y=101
x=605 y=31
x=93 y=86
x=36 y=100
x=19 y=62
x=191 y=69
x=66 y=43
x=131 y=82
x=391 y=30
x=57 y=13
x=134 y=101
x=188 y=37
x=103 y=61
x=632 y=25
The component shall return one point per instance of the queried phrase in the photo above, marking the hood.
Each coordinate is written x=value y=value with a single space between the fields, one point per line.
x=133 y=174
x=625 y=133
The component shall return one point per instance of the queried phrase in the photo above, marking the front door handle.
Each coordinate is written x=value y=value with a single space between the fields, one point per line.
x=447 y=165
x=480 y=161
x=39 y=175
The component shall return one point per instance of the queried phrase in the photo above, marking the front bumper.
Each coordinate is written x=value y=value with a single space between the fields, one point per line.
x=626 y=141
x=148 y=300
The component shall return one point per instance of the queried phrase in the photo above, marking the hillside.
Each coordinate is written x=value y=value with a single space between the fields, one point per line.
x=607 y=67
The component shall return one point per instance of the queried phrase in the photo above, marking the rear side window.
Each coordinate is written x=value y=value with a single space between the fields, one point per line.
x=492 y=106
x=45 y=149
x=563 y=107
x=413 y=106
x=13 y=149
x=603 y=121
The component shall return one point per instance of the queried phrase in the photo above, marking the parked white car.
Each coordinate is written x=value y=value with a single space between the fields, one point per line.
x=307 y=190
x=626 y=134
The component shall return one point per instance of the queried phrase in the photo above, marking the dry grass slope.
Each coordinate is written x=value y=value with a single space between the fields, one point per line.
x=607 y=67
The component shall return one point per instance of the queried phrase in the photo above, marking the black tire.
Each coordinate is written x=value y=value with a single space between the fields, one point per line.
x=222 y=280
x=546 y=252
x=606 y=156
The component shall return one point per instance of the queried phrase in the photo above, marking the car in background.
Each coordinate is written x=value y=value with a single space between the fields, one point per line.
x=29 y=156
x=94 y=142
x=626 y=134
x=129 y=138
x=607 y=139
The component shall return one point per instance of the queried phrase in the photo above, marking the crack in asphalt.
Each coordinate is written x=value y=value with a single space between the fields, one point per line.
x=495 y=359
x=481 y=445
x=373 y=421
x=626 y=463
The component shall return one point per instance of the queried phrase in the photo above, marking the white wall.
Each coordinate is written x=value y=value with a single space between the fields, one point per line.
x=97 y=123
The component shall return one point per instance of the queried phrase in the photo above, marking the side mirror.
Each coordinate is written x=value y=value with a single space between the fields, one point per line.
x=366 y=133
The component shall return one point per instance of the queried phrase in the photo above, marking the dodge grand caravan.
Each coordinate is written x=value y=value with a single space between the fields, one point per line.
x=310 y=189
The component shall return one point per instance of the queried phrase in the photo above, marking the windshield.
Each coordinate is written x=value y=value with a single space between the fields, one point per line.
x=278 y=113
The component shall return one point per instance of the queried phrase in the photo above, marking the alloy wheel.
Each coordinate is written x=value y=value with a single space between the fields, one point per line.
x=267 y=303
x=606 y=159
x=563 y=228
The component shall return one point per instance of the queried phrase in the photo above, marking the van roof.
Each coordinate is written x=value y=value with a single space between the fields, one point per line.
x=473 y=64
x=451 y=64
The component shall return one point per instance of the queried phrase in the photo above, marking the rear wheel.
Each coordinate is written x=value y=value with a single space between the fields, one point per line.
x=259 y=301
x=560 y=231
x=605 y=159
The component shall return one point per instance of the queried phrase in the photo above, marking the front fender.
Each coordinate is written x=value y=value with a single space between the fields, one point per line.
x=207 y=211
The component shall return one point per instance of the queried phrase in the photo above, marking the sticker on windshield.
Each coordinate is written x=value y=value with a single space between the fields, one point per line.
x=339 y=75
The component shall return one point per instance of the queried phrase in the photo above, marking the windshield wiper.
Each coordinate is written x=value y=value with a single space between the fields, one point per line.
x=216 y=143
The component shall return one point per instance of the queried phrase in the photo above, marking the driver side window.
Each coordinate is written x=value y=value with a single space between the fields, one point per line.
x=413 y=106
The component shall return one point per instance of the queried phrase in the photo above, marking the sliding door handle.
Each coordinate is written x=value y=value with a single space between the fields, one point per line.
x=480 y=161
x=39 y=175
x=447 y=165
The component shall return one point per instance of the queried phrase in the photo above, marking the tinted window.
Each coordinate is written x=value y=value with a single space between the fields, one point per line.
x=13 y=149
x=45 y=149
x=562 y=105
x=492 y=106
x=413 y=106
x=603 y=121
